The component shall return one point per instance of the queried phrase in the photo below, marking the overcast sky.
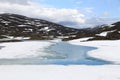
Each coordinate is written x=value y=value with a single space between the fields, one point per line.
x=73 y=13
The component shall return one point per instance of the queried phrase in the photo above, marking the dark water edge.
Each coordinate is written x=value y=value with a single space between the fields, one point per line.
x=66 y=54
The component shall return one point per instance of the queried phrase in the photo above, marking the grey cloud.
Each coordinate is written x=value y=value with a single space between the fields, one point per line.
x=91 y=22
x=66 y=16
x=16 y=1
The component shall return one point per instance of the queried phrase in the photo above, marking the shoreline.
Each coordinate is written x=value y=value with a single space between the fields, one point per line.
x=58 y=53
x=106 y=50
x=1 y=47
x=98 y=53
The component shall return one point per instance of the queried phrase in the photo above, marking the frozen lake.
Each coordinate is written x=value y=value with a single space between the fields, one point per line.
x=59 y=53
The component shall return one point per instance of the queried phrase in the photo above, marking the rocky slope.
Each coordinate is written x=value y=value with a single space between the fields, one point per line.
x=21 y=26
x=101 y=32
x=18 y=25
x=108 y=32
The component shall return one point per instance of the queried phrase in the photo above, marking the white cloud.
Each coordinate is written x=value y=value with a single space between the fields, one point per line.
x=79 y=2
x=89 y=9
x=95 y=21
x=106 y=14
x=68 y=17
x=37 y=11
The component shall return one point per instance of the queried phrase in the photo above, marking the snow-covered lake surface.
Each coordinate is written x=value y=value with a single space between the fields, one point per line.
x=46 y=52
x=55 y=72
x=105 y=50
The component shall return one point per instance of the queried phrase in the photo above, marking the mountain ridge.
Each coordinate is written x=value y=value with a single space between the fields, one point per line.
x=37 y=29
x=18 y=25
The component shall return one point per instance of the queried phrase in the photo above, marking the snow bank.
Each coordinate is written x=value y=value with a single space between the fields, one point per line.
x=25 y=49
x=10 y=38
x=52 y=72
x=107 y=50
x=102 y=34
x=105 y=33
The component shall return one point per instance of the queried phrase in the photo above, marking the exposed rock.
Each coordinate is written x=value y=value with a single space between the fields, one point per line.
x=18 y=25
x=37 y=29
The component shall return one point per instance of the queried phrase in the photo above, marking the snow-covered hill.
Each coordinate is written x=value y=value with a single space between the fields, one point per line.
x=37 y=29
x=18 y=25
x=101 y=32
x=108 y=32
